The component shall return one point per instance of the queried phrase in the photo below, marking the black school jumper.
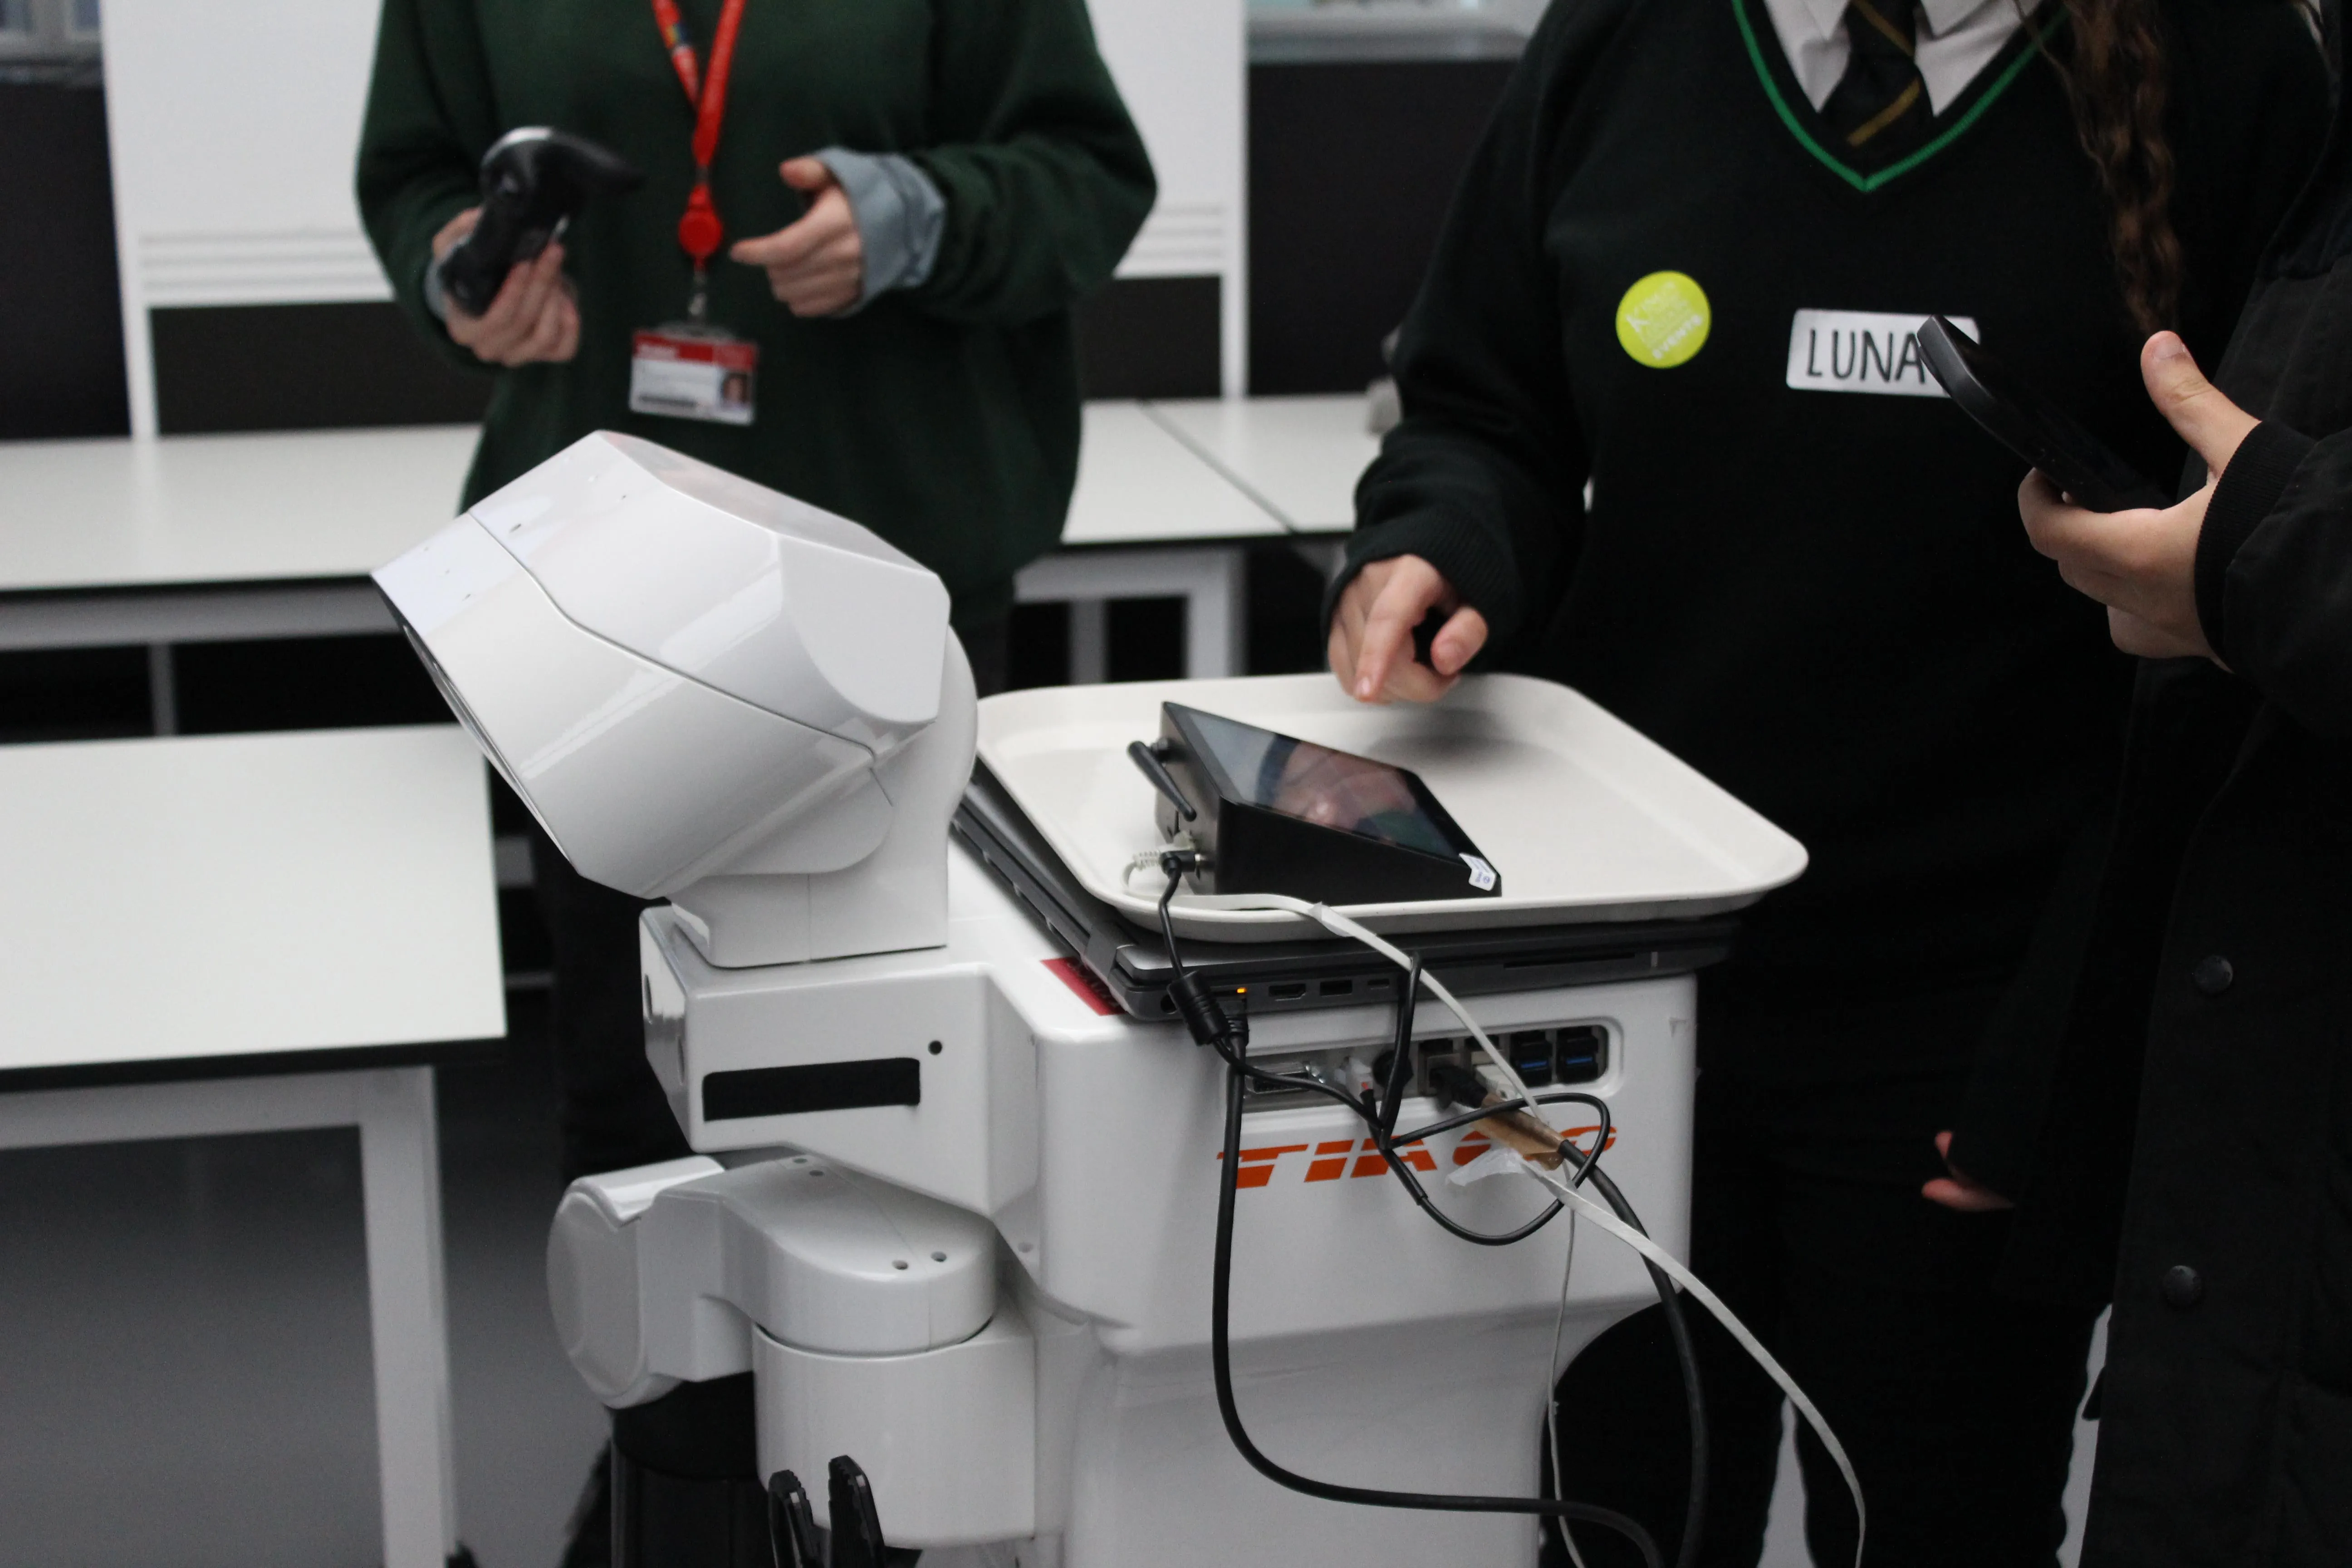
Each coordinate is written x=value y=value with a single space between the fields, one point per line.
x=1825 y=602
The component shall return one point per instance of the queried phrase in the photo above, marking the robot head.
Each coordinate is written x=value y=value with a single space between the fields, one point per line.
x=684 y=675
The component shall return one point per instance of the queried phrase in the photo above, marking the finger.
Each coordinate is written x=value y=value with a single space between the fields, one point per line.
x=547 y=332
x=456 y=230
x=1347 y=625
x=2080 y=540
x=1340 y=655
x=788 y=247
x=1963 y=1197
x=521 y=300
x=1409 y=680
x=819 y=292
x=495 y=330
x=2204 y=417
x=568 y=343
x=1457 y=642
x=1387 y=638
x=2144 y=638
x=806 y=174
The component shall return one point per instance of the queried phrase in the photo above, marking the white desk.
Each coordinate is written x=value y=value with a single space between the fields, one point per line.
x=1149 y=520
x=1299 y=457
x=256 y=933
x=207 y=538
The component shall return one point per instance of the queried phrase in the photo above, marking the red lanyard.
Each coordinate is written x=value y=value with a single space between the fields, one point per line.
x=699 y=230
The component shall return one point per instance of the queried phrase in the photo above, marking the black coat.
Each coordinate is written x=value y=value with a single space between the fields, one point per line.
x=2198 y=1154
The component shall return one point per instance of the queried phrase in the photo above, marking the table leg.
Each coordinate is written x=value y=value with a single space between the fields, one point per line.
x=400 y=1171
x=1089 y=641
x=1215 y=616
x=1211 y=580
x=163 y=690
x=401 y=1174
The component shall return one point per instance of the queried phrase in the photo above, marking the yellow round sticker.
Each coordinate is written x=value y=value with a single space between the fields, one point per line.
x=1662 y=320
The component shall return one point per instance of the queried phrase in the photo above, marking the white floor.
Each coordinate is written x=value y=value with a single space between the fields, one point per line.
x=186 y=1381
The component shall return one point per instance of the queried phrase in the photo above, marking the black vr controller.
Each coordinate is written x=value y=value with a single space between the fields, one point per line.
x=534 y=181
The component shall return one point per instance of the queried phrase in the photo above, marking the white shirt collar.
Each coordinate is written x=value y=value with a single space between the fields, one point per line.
x=1958 y=39
x=1827 y=17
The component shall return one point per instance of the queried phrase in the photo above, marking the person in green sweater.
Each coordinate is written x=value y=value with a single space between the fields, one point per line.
x=896 y=204
x=913 y=193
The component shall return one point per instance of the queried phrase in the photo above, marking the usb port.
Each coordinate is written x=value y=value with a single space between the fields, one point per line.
x=1335 y=988
x=1530 y=1056
x=1583 y=1054
x=1287 y=990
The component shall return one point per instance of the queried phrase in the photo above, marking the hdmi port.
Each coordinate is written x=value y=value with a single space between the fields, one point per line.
x=1287 y=991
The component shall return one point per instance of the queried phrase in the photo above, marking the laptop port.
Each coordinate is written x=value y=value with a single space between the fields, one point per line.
x=1287 y=990
x=1334 y=987
x=1583 y=1054
x=1529 y=1053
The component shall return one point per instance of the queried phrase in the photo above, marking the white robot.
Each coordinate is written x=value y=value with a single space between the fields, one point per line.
x=955 y=1205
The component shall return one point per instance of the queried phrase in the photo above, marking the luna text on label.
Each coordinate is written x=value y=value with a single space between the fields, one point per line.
x=1862 y=351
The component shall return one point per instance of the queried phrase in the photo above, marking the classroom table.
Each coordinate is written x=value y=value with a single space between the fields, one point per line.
x=248 y=933
x=1298 y=457
x=213 y=538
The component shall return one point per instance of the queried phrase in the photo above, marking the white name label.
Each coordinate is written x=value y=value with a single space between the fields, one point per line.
x=1862 y=351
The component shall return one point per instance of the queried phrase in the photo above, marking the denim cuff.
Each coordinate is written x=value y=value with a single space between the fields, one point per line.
x=901 y=216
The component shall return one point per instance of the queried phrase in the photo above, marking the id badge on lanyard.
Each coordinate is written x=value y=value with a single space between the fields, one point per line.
x=696 y=369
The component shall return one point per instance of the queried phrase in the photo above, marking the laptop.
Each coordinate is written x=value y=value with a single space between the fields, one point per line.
x=1131 y=961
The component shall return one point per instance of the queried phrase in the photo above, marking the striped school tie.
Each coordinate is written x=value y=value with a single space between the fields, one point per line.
x=1879 y=108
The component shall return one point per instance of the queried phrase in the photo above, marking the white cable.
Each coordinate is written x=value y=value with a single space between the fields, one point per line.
x=1551 y=1393
x=1339 y=924
x=1724 y=1315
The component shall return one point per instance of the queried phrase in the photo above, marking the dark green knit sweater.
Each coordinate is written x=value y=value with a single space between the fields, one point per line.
x=945 y=417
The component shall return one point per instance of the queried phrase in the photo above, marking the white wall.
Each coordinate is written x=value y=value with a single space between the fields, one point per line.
x=234 y=127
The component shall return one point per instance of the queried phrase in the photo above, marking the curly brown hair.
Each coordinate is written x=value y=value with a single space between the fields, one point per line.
x=2115 y=77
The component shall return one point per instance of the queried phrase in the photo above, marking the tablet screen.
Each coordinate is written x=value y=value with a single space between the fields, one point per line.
x=1318 y=784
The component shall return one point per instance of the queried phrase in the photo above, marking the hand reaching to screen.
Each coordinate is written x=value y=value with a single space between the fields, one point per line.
x=1958 y=1190
x=533 y=317
x=1371 y=646
x=816 y=264
x=2142 y=564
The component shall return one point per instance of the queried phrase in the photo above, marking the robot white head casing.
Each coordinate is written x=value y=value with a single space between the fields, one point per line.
x=707 y=691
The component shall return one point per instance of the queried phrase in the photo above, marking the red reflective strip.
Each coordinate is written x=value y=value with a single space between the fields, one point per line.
x=1080 y=979
x=1325 y=1170
x=1257 y=1164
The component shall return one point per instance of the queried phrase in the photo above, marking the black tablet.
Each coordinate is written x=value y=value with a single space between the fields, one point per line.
x=2031 y=425
x=1279 y=814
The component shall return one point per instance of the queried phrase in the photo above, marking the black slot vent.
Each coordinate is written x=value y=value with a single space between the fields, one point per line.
x=818 y=1086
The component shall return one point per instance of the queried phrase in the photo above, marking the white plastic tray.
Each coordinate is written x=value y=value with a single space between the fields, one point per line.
x=1585 y=818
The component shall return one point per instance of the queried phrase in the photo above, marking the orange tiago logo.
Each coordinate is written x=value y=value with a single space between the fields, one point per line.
x=1331 y=1159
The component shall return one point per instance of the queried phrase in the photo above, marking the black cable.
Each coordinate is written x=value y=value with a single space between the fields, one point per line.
x=1221 y=1361
x=1209 y=1025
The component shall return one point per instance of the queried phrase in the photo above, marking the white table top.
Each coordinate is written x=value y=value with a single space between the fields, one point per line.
x=237 y=895
x=211 y=510
x=1139 y=484
x=223 y=509
x=1300 y=456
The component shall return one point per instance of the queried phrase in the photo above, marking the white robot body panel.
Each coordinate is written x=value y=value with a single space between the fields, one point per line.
x=1369 y=1347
